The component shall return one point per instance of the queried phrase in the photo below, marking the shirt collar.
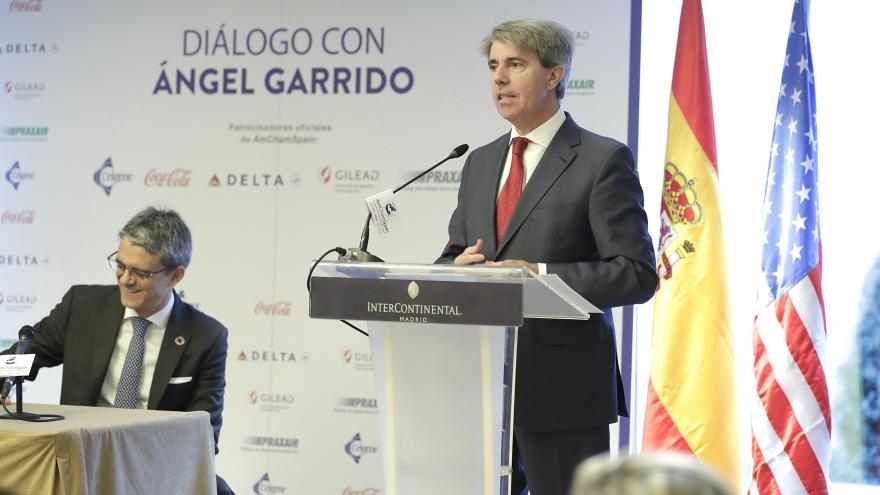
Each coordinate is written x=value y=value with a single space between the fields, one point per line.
x=544 y=133
x=159 y=318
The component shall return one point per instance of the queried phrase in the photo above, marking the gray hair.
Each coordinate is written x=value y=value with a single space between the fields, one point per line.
x=553 y=43
x=664 y=473
x=160 y=231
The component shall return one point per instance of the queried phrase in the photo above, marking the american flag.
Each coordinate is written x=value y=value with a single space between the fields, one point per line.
x=791 y=416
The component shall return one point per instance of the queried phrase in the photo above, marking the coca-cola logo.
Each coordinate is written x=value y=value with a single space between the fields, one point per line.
x=179 y=177
x=17 y=217
x=26 y=5
x=279 y=308
x=366 y=491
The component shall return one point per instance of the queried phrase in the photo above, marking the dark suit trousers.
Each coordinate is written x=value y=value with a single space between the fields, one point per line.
x=550 y=457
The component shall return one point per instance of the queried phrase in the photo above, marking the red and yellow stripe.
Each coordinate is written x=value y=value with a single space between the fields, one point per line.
x=691 y=403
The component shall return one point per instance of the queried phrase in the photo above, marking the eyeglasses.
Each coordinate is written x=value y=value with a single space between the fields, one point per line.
x=119 y=268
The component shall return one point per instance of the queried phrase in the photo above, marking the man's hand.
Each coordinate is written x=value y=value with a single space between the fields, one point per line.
x=515 y=264
x=471 y=255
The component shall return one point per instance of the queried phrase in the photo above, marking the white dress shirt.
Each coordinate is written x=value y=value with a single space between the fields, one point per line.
x=540 y=139
x=152 y=344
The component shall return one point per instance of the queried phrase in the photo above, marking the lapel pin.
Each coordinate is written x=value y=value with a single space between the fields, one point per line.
x=179 y=340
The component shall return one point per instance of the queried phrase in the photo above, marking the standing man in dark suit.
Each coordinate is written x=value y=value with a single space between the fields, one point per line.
x=137 y=344
x=555 y=198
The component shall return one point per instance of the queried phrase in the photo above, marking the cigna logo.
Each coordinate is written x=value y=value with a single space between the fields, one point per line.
x=106 y=177
x=21 y=6
x=356 y=449
x=15 y=175
x=263 y=486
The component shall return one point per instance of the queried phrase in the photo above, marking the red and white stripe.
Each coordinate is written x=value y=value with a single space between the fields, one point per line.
x=791 y=413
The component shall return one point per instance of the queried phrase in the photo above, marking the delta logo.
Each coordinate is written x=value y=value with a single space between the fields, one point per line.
x=273 y=356
x=256 y=181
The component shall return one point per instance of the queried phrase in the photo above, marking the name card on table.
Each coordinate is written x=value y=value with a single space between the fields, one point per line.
x=16 y=364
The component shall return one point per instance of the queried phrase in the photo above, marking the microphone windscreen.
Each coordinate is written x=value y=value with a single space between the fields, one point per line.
x=458 y=151
x=26 y=332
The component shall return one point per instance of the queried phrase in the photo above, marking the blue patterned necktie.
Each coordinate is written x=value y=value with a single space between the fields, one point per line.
x=127 y=392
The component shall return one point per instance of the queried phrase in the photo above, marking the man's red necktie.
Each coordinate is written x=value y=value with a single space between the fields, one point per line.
x=512 y=188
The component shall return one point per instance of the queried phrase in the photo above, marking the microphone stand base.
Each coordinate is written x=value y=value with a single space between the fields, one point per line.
x=21 y=415
x=355 y=254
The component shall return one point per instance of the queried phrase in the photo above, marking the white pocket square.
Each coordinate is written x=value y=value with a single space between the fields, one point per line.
x=177 y=380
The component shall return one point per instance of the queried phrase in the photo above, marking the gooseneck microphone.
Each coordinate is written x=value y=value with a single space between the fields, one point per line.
x=25 y=335
x=24 y=341
x=360 y=253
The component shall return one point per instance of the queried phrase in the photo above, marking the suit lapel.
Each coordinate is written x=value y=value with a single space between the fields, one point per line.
x=487 y=201
x=170 y=352
x=106 y=331
x=561 y=152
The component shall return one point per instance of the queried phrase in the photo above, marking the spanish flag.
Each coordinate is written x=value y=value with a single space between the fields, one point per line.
x=691 y=404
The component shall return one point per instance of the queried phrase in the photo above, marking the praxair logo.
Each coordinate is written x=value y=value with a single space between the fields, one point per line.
x=356 y=448
x=16 y=176
x=105 y=177
x=265 y=486
x=356 y=405
x=271 y=444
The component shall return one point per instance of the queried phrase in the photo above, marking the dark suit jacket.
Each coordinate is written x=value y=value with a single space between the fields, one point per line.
x=81 y=333
x=582 y=214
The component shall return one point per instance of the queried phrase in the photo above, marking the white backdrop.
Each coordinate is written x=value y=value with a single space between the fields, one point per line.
x=265 y=181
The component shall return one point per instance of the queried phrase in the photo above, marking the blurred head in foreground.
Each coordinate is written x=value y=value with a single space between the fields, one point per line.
x=653 y=474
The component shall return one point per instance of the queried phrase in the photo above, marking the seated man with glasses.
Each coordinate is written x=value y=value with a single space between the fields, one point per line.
x=137 y=344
